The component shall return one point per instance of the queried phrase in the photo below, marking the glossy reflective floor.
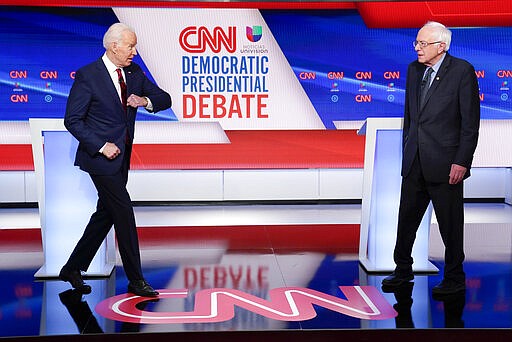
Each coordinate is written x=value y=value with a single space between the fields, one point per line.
x=253 y=250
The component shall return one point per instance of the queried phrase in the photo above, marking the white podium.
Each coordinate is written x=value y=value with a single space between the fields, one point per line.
x=66 y=198
x=381 y=198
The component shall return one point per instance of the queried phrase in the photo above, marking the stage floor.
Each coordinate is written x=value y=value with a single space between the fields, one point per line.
x=252 y=255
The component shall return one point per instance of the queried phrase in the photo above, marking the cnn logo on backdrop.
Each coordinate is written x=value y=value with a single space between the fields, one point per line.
x=195 y=39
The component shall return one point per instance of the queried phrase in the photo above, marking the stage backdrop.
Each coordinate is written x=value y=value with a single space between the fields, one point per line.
x=245 y=68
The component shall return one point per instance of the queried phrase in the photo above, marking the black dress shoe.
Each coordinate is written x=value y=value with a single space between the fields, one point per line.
x=141 y=288
x=74 y=277
x=396 y=279
x=448 y=287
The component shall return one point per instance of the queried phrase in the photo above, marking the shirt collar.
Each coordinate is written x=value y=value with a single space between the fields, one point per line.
x=111 y=67
x=438 y=64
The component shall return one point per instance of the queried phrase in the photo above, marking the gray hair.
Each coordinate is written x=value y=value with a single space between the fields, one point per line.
x=114 y=34
x=442 y=33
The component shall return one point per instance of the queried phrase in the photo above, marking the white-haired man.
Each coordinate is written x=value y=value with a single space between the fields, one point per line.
x=100 y=114
x=440 y=134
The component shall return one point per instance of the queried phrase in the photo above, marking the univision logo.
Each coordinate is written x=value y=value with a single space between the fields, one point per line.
x=253 y=33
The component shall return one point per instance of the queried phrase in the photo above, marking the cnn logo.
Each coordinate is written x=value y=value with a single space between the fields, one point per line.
x=195 y=39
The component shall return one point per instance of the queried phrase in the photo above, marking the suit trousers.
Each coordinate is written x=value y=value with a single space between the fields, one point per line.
x=114 y=207
x=447 y=200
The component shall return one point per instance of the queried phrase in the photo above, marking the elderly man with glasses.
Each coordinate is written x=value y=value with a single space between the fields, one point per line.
x=440 y=134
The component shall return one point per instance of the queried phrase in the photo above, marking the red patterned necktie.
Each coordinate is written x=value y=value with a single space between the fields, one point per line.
x=122 y=84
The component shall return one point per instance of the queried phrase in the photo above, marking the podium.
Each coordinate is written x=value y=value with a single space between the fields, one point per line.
x=381 y=198
x=66 y=198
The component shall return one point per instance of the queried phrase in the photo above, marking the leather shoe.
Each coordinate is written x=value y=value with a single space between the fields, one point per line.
x=447 y=287
x=74 y=277
x=141 y=288
x=396 y=279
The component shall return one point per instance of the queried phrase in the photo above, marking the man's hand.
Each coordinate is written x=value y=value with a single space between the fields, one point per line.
x=111 y=151
x=136 y=101
x=457 y=173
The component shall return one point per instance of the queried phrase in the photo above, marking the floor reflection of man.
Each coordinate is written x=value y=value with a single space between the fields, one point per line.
x=453 y=306
x=80 y=311
x=403 y=296
x=83 y=317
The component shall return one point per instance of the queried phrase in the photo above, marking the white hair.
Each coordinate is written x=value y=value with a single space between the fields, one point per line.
x=441 y=32
x=114 y=34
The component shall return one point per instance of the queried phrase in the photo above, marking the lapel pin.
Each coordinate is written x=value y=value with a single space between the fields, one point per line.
x=437 y=78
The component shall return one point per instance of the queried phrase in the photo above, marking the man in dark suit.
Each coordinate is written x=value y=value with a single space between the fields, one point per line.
x=101 y=116
x=440 y=133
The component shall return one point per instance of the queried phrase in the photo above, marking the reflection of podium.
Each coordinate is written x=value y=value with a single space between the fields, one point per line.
x=66 y=198
x=381 y=197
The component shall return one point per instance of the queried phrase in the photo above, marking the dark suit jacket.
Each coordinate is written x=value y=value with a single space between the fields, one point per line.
x=445 y=130
x=95 y=115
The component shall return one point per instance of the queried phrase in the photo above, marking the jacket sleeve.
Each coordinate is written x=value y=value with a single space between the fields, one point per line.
x=407 y=111
x=160 y=99
x=469 y=103
x=78 y=103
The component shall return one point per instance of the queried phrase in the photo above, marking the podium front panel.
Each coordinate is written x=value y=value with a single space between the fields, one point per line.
x=66 y=197
x=381 y=199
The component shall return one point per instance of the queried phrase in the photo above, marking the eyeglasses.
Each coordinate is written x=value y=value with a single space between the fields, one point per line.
x=423 y=44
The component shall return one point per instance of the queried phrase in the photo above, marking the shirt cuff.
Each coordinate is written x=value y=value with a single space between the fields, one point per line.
x=149 y=106
x=102 y=148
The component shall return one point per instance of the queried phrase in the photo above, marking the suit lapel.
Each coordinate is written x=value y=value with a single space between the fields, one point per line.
x=420 y=70
x=129 y=79
x=105 y=77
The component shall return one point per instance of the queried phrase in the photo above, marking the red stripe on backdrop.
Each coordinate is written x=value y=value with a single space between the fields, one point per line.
x=293 y=149
x=186 y=4
x=16 y=157
x=484 y=13
x=375 y=13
